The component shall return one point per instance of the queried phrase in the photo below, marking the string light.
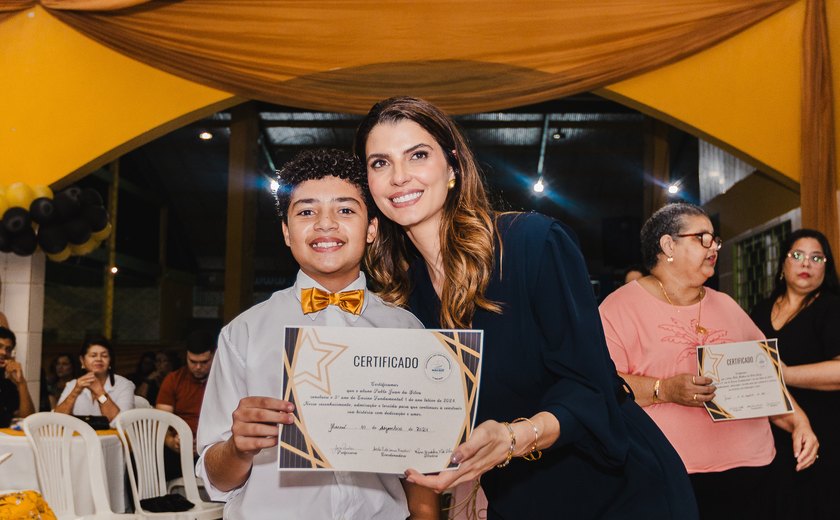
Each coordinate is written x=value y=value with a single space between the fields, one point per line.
x=205 y=136
x=539 y=187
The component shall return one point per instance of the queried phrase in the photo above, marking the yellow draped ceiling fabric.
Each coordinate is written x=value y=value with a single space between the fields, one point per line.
x=466 y=56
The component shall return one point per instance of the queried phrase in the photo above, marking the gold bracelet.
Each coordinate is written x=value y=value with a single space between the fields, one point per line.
x=512 y=446
x=656 y=390
x=533 y=454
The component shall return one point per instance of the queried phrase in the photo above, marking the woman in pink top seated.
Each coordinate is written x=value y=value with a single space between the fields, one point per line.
x=653 y=326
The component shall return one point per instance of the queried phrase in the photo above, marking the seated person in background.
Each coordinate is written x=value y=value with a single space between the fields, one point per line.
x=145 y=367
x=15 y=400
x=63 y=369
x=182 y=392
x=165 y=362
x=99 y=391
x=323 y=204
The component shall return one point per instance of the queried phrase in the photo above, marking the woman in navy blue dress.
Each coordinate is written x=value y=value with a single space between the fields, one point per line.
x=559 y=435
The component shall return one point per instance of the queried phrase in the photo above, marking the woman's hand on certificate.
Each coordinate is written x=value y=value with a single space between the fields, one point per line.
x=488 y=446
x=687 y=390
x=255 y=423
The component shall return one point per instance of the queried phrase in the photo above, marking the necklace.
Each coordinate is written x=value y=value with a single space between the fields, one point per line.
x=699 y=328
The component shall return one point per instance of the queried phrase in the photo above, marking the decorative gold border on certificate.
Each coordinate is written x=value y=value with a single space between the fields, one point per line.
x=769 y=346
x=297 y=450
x=465 y=347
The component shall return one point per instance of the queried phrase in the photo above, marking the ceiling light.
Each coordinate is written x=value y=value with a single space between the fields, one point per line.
x=673 y=189
x=205 y=136
x=558 y=135
x=539 y=187
x=273 y=186
x=114 y=270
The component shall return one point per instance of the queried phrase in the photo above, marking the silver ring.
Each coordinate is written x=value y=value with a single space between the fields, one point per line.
x=695 y=397
x=692 y=380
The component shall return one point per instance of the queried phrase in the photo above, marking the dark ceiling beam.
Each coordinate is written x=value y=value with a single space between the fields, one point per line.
x=466 y=124
x=579 y=148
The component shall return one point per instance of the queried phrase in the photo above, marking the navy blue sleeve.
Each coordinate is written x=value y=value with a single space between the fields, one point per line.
x=583 y=395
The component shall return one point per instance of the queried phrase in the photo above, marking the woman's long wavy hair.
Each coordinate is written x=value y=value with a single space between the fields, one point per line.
x=830 y=282
x=467 y=226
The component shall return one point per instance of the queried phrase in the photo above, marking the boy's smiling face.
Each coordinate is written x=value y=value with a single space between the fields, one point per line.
x=327 y=229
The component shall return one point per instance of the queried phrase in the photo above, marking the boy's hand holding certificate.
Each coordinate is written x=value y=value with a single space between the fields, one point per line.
x=747 y=377
x=378 y=400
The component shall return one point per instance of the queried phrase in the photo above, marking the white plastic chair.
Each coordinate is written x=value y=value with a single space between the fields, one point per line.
x=144 y=430
x=142 y=402
x=51 y=435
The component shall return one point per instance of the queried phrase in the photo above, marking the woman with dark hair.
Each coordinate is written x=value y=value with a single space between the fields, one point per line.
x=558 y=435
x=803 y=312
x=63 y=369
x=99 y=391
x=653 y=327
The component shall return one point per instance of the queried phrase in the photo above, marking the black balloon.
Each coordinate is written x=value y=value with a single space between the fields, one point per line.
x=66 y=206
x=52 y=239
x=90 y=197
x=78 y=231
x=96 y=217
x=24 y=243
x=42 y=210
x=16 y=220
x=5 y=241
x=74 y=192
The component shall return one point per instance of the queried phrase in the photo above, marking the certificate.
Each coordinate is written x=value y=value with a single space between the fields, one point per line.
x=378 y=400
x=748 y=378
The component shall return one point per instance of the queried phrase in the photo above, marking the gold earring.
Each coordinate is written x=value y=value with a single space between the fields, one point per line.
x=670 y=259
x=451 y=183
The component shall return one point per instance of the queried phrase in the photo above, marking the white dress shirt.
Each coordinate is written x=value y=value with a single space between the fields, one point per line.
x=248 y=363
x=121 y=392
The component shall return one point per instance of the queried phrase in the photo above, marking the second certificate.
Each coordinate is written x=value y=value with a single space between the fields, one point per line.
x=378 y=400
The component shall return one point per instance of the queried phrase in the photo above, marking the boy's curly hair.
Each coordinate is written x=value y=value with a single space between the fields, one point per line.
x=316 y=164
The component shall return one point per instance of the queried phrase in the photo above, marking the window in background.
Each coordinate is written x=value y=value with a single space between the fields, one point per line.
x=756 y=258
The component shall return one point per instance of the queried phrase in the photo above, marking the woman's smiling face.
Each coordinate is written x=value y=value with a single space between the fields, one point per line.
x=408 y=173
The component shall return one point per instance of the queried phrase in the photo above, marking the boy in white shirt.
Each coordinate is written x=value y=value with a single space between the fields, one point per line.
x=323 y=203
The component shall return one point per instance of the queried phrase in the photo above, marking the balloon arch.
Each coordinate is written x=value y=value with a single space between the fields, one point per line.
x=72 y=222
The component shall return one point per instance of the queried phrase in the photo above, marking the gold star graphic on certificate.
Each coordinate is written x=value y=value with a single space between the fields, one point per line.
x=314 y=358
x=715 y=360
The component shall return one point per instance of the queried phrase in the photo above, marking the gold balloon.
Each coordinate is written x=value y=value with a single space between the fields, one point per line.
x=103 y=233
x=83 y=249
x=60 y=256
x=19 y=194
x=41 y=191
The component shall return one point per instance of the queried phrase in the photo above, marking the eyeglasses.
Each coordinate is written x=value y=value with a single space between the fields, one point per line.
x=800 y=257
x=706 y=239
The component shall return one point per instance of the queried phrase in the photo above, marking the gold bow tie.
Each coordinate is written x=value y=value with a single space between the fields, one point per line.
x=314 y=300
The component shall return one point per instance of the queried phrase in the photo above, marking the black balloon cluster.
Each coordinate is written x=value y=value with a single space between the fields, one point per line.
x=73 y=222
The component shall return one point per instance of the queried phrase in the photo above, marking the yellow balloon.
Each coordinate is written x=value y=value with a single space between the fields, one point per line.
x=103 y=233
x=19 y=194
x=60 y=256
x=40 y=190
x=83 y=249
x=4 y=204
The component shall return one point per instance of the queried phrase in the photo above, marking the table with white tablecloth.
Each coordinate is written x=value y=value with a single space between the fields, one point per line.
x=18 y=472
